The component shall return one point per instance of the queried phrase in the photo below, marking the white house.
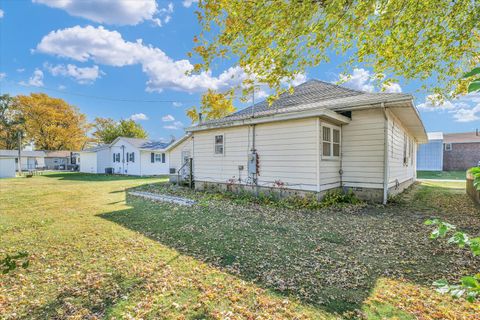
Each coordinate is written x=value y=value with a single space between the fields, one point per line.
x=319 y=138
x=31 y=160
x=94 y=159
x=430 y=155
x=128 y=156
x=179 y=153
x=7 y=167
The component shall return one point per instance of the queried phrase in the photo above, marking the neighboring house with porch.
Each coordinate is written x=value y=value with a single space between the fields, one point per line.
x=461 y=150
x=61 y=160
x=321 y=137
x=30 y=160
x=129 y=156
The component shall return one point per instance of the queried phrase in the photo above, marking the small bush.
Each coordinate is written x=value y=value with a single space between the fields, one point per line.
x=310 y=201
x=475 y=172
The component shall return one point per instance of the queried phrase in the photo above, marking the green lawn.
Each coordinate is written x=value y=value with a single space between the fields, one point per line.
x=96 y=253
x=447 y=175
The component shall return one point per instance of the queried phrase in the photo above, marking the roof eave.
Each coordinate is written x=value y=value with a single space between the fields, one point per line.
x=326 y=113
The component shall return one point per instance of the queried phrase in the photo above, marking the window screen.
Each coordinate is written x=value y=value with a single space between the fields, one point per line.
x=326 y=142
x=336 y=143
x=219 y=144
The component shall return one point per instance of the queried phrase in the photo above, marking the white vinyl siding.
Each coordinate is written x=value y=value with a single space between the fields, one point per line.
x=175 y=154
x=211 y=168
x=363 y=149
x=287 y=152
x=402 y=162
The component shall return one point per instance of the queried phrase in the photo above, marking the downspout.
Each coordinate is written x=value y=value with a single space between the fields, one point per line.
x=318 y=155
x=385 y=155
x=341 y=156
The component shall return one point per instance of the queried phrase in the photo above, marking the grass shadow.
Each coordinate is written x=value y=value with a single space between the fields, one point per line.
x=90 y=177
x=330 y=258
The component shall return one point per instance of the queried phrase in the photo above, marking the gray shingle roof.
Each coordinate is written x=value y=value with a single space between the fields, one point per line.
x=96 y=148
x=308 y=92
x=313 y=94
x=14 y=153
x=146 y=144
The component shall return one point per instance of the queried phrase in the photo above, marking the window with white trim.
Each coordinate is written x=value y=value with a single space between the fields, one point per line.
x=448 y=147
x=158 y=157
x=330 y=142
x=219 y=144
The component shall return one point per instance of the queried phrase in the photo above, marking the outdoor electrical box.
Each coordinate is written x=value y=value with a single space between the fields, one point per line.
x=252 y=163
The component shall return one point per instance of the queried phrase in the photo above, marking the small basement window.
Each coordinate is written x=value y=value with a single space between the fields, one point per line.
x=448 y=147
x=219 y=145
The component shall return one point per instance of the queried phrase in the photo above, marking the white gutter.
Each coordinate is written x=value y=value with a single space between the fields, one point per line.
x=332 y=115
x=385 y=156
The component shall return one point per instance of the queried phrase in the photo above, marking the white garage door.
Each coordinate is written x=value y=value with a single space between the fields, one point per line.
x=88 y=162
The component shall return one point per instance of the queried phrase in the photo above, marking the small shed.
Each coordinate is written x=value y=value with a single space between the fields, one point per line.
x=430 y=155
x=7 y=167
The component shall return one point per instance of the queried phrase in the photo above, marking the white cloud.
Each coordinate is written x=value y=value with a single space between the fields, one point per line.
x=463 y=109
x=363 y=80
x=433 y=104
x=177 y=104
x=467 y=115
x=84 y=75
x=138 y=117
x=3 y=75
x=119 y=12
x=36 y=80
x=165 y=15
x=109 y=48
x=20 y=70
x=2 y=13
x=62 y=87
x=188 y=3
x=177 y=125
x=168 y=118
x=392 y=88
x=299 y=79
x=360 y=79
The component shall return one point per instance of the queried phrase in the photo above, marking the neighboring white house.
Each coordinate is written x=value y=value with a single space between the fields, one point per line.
x=61 y=160
x=31 y=160
x=430 y=155
x=95 y=159
x=128 y=156
x=179 y=153
x=321 y=137
x=7 y=167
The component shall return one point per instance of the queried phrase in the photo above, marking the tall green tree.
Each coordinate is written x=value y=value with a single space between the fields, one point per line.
x=214 y=106
x=52 y=123
x=434 y=40
x=11 y=123
x=107 y=129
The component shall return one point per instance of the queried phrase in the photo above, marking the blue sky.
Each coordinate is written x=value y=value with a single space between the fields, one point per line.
x=92 y=57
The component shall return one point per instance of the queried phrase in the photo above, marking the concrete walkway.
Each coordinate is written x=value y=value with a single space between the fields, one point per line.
x=163 y=198
x=442 y=180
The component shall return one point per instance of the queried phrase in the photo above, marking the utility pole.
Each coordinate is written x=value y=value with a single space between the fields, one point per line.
x=19 y=136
